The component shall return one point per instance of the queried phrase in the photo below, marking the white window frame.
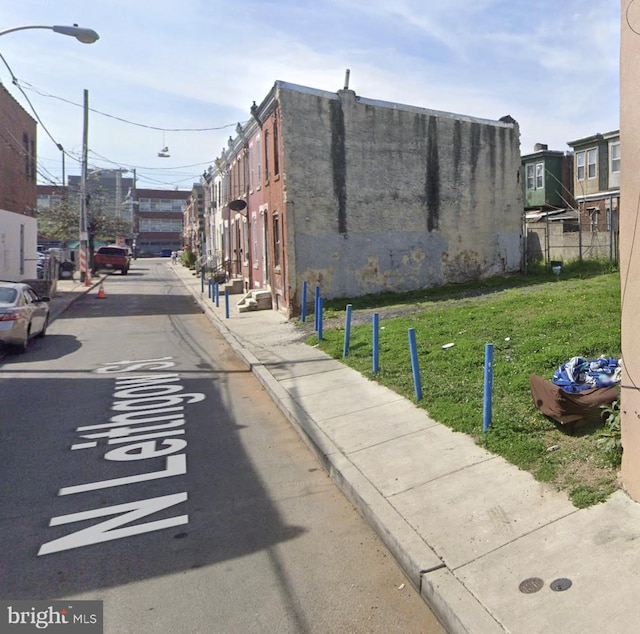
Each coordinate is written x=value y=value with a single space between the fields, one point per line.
x=592 y=163
x=580 y=165
x=614 y=157
x=539 y=175
x=530 y=176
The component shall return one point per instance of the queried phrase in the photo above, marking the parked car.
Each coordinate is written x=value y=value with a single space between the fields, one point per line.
x=23 y=314
x=166 y=253
x=112 y=258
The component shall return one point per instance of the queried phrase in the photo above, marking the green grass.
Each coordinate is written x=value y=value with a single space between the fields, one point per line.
x=535 y=323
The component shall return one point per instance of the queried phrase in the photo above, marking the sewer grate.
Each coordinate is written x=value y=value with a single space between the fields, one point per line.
x=560 y=584
x=531 y=585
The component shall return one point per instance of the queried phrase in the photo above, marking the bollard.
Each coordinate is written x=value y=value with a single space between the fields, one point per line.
x=347 y=331
x=216 y=292
x=317 y=301
x=210 y=289
x=417 y=383
x=320 y=303
x=304 y=302
x=376 y=343
x=226 y=303
x=202 y=281
x=488 y=386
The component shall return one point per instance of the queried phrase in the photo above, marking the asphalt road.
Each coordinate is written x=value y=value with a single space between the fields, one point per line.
x=142 y=464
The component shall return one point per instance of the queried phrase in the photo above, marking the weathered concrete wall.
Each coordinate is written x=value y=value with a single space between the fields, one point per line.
x=629 y=255
x=392 y=198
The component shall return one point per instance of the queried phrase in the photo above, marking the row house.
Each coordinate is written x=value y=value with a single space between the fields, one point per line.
x=193 y=222
x=572 y=199
x=596 y=183
x=18 y=191
x=361 y=196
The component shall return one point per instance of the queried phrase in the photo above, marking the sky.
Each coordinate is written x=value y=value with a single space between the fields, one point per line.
x=183 y=74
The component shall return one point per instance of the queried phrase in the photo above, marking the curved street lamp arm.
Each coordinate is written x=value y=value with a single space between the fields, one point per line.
x=86 y=36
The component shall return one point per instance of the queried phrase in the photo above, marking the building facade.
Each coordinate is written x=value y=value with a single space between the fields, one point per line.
x=18 y=191
x=629 y=255
x=158 y=220
x=359 y=196
x=596 y=173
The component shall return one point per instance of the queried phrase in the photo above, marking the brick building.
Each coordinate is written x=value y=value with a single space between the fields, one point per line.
x=362 y=196
x=18 y=190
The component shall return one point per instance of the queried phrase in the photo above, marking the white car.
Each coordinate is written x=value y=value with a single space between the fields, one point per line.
x=23 y=314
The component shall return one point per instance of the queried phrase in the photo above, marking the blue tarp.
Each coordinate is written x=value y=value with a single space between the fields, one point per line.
x=580 y=374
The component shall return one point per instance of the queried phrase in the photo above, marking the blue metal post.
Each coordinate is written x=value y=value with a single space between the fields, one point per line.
x=210 y=289
x=488 y=386
x=304 y=301
x=347 y=331
x=376 y=343
x=320 y=303
x=226 y=303
x=216 y=292
x=202 y=281
x=317 y=301
x=417 y=383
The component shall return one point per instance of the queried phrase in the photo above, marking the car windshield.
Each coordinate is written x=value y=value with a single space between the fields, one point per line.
x=7 y=295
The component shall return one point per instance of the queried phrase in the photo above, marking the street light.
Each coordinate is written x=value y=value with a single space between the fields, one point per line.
x=86 y=36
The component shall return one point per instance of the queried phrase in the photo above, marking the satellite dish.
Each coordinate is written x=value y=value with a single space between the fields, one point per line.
x=237 y=205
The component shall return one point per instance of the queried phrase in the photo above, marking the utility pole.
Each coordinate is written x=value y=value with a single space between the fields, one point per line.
x=84 y=235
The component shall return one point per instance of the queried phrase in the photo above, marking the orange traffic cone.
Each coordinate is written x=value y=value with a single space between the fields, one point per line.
x=101 y=294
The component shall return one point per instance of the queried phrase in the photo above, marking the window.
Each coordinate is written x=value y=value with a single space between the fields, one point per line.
x=614 y=153
x=539 y=175
x=266 y=155
x=252 y=169
x=259 y=159
x=276 y=240
x=276 y=161
x=530 y=176
x=580 y=166
x=592 y=163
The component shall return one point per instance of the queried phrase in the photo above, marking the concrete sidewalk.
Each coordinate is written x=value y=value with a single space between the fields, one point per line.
x=467 y=527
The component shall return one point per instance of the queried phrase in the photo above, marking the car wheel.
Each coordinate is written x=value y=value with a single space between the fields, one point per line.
x=22 y=347
x=43 y=332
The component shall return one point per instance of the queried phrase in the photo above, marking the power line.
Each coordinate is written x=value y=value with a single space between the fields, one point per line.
x=127 y=121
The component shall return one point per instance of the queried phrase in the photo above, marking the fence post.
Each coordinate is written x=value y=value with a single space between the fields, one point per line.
x=376 y=342
x=417 y=383
x=488 y=386
x=347 y=331
x=304 y=302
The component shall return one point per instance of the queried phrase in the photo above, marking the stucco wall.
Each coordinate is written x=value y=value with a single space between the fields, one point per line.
x=629 y=255
x=17 y=258
x=384 y=197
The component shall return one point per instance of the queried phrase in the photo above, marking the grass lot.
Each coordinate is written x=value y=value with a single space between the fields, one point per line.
x=535 y=322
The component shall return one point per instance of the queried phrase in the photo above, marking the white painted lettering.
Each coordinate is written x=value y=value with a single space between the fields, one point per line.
x=109 y=529
x=151 y=364
x=128 y=418
x=153 y=402
x=145 y=450
x=148 y=391
x=120 y=432
x=176 y=465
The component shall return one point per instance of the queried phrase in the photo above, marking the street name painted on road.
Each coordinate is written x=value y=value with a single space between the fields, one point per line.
x=151 y=415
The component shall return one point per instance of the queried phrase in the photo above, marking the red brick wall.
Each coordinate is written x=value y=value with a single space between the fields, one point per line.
x=18 y=188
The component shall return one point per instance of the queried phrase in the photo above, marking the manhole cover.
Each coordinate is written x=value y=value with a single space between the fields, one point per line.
x=560 y=584
x=531 y=585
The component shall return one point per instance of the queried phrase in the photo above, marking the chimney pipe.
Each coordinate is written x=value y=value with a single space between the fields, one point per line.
x=346 y=79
